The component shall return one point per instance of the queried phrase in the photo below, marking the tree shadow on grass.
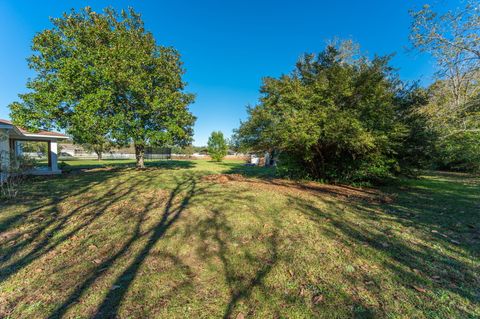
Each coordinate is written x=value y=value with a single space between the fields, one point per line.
x=171 y=164
x=173 y=206
x=244 y=267
x=250 y=260
x=73 y=166
x=248 y=170
x=446 y=205
x=414 y=265
x=240 y=284
x=442 y=203
x=48 y=221
x=111 y=303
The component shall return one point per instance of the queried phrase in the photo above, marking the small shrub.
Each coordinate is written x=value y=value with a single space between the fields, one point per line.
x=217 y=146
x=64 y=166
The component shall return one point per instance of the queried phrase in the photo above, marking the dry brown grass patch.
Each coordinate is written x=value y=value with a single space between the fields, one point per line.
x=301 y=188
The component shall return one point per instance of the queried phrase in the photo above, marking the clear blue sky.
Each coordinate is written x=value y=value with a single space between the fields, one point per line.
x=227 y=46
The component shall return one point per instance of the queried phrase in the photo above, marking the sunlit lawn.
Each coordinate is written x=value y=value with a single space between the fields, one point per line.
x=168 y=242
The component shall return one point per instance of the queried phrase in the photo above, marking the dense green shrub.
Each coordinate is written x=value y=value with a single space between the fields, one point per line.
x=338 y=116
x=460 y=152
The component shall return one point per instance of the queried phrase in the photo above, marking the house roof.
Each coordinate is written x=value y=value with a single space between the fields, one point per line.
x=41 y=133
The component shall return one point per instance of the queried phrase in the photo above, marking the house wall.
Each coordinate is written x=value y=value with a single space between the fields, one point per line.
x=4 y=153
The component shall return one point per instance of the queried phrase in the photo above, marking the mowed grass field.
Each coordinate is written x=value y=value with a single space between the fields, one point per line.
x=198 y=239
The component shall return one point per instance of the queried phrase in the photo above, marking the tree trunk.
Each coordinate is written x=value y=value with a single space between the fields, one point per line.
x=99 y=155
x=139 y=155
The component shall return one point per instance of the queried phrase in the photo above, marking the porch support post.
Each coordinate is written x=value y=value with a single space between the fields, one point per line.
x=11 y=145
x=4 y=154
x=18 y=148
x=53 y=155
x=49 y=155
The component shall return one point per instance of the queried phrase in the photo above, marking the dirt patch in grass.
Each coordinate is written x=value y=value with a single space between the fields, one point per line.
x=223 y=178
x=300 y=188
x=7 y=235
x=99 y=169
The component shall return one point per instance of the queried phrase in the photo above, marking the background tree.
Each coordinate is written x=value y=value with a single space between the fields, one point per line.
x=453 y=39
x=92 y=132
x=233 y=143
x=107 y=70
x=187 y=150
x=98 y=148
x=418 y=146
x=35 y=147
x=217 y=146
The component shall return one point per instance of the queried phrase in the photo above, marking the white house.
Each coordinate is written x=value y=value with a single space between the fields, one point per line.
x=11 y=136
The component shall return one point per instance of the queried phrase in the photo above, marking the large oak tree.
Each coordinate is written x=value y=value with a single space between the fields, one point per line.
x=103 y=78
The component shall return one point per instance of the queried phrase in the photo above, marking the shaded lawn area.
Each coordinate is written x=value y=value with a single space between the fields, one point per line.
x=74 y=164
x=175 y=241
x=230 y=166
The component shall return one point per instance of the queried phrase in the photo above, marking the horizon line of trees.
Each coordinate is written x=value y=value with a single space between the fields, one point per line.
x=338 y=116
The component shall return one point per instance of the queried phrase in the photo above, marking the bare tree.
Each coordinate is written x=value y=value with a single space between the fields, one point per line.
x=453 y=39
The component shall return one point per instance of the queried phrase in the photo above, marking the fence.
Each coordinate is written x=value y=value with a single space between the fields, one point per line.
x=151 y=153
x=113 y=156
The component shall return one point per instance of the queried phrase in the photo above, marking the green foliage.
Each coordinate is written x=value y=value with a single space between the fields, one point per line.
x=336 y=117
x=457 y=128
x=34 y=147
x=291 y=167
x=418 y=147
x=103 y=78
x=234 y=144
x=100 y=146
x=217 y=146
x=460 y=152
x=187 y=150
x=453 y=110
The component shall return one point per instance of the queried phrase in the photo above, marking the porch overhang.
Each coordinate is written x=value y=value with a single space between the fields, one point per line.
x=14 y=135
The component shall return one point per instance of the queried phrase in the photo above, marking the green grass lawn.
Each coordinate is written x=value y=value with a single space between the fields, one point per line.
x=175 y=241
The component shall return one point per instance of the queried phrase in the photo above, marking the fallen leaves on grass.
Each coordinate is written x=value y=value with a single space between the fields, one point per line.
x=223 y=178
x=317 y=299
x=419 y=289
x=302 y=292
x=6 y=236
x=298 y=188
x=437 y=232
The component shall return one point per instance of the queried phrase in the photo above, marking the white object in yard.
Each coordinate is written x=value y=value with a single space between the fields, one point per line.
x=254 y=159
